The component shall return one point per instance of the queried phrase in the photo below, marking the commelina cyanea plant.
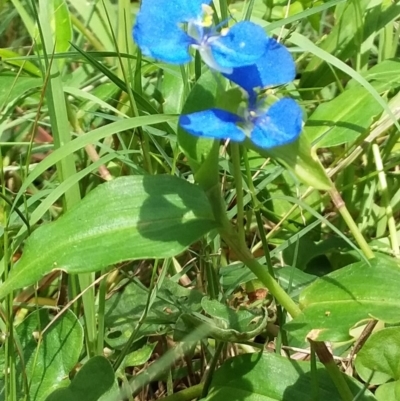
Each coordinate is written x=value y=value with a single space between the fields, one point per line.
x=243 y=53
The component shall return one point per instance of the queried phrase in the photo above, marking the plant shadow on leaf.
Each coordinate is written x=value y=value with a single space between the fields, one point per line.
x=179 y=222
x=328 y=123
x=342 y=300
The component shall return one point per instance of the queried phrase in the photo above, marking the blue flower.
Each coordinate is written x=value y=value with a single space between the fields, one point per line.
x=159 y=33
x=279 y=125
x=275 y=67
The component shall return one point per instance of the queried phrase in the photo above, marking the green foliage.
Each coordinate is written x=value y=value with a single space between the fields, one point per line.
x=136 y=259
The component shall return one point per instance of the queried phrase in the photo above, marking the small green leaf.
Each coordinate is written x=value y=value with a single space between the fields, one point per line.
x=48 y=362
x=335 y=303
x=140 y=356
x=381 y=352
x=388 y=391
x=370 y=376
x=270 y=377
x=136 y=217
x=94 y=380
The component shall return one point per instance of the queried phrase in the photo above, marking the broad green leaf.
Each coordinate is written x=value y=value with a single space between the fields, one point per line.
x=388 y=391
x=48 y=362
x=381 y=352
x=343 y=119
x=335 y=303
x=270 y=377
x=94 y=379
x=298 y=157
x=135 y=217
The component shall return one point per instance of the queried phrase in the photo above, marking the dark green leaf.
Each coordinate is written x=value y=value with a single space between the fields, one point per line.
x=335 y=303
x=270 y=377
x=93 y=381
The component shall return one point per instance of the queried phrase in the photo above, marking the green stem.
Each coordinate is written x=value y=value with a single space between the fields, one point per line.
x=211 y=369
x=336 y=375
x=386 y=200
x=342 y=209
x=230 y=236
x=142 y=318
x=237 y=174
x=186 y=395
x=257 y=206
x=101 y=314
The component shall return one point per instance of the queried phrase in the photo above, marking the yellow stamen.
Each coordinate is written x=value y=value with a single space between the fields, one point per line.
x=224 y=31
x=208 y=15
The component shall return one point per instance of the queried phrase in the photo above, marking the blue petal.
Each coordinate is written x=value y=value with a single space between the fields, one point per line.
x=213 y=123
x=157 y=30
x=244 y=44
x=275 y=67
x=281 y=124
x=173 y=11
